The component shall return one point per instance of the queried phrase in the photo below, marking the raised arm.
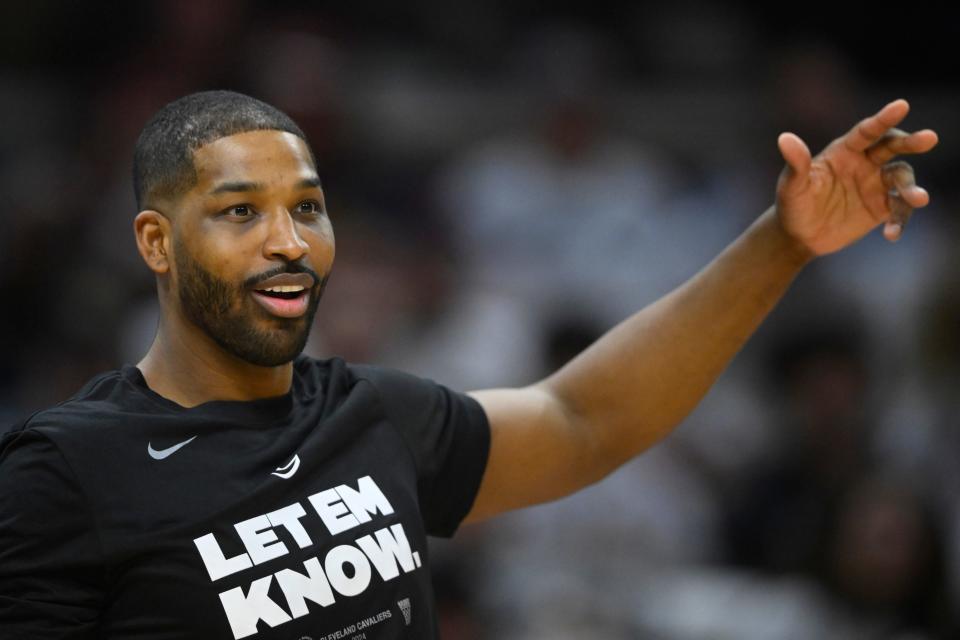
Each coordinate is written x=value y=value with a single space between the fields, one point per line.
x=637 y=382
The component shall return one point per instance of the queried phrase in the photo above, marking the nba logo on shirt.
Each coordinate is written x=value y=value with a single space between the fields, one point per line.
x=405 y=610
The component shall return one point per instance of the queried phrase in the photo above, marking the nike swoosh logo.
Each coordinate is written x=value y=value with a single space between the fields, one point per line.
x=288 y=469
x=160 y=454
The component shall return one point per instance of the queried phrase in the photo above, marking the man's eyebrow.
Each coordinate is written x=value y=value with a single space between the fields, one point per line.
x=308 y=183
x=237 y=187
x=246 y=187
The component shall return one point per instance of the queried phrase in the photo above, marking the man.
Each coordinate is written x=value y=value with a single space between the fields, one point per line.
x=227 y=488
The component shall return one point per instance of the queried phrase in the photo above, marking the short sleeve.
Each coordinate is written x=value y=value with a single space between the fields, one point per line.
x=449 y=437
x=50 y=575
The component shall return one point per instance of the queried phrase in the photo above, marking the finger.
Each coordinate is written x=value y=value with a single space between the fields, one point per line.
x=899 y=179
x=797 y=156
x=903 y=197
x=900 y=213
x=896 y=142
x=870 y=130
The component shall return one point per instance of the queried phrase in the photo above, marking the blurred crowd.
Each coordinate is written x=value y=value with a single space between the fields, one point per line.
x=505 y=185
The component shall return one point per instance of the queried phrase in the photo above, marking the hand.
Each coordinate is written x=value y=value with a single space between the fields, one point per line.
x=834 y=199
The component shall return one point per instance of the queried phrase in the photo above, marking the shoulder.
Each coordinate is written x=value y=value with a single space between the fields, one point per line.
x=407 y=400
x=24 y=442
x=99 y=397
x=385 y=379
x=32 y=469
x=420 y=407
x=404 y=396
x=336 y=377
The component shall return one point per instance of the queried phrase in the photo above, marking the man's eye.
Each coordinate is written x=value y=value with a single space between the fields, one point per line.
x=309 y=208
x=240 y=211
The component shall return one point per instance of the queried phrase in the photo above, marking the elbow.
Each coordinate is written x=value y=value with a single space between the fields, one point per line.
x=605 y=440
x=594 y=449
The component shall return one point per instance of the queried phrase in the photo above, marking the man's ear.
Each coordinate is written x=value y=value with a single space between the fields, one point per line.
x=153 y=233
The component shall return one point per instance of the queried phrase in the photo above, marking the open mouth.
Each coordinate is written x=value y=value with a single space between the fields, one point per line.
x=288 y=301
x=294 y=292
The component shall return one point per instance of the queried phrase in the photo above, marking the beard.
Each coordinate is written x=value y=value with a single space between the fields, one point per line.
x=228 y=315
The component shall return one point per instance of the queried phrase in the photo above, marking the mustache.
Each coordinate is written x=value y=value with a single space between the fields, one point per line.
x=290 y=267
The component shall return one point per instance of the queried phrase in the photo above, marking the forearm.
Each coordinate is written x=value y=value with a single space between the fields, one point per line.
x=644 y=376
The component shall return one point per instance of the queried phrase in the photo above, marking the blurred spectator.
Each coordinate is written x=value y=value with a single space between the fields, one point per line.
x=779 y=518
x=885 y=562
x=562 y=219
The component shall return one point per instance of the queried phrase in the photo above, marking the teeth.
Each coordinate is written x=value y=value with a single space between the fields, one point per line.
x=285 y=288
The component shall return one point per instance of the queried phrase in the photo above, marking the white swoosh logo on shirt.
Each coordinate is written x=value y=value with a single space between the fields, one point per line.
x=288 y=469
x=163 y=453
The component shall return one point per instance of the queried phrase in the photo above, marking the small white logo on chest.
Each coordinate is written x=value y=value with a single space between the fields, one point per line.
x=160 y=454
x=288 y=469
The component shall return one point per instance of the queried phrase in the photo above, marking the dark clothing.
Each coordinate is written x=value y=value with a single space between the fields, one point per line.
x=124 y=515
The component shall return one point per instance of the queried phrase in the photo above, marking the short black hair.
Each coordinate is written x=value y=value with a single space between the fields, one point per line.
x=163 y=158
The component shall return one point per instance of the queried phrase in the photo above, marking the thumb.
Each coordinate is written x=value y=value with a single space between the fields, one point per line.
x=797 y=156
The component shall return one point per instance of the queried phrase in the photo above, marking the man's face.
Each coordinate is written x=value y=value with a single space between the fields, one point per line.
x=252 y=246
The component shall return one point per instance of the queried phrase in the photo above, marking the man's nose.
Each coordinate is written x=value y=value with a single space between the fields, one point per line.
x=283 y=240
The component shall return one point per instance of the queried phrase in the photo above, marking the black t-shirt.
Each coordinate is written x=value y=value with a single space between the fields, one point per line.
x=124 y=515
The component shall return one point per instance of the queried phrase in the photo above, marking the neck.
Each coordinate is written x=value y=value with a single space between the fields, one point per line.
x=187 y=367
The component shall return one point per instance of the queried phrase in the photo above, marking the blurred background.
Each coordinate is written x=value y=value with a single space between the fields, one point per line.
x=506 y=182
